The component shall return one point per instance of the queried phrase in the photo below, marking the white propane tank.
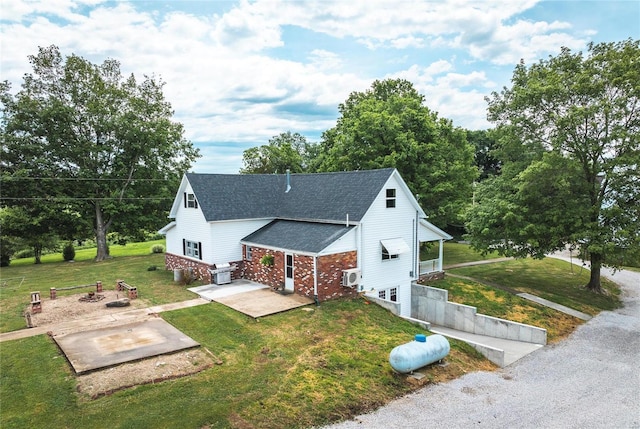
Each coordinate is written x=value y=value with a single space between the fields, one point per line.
x=420 y=352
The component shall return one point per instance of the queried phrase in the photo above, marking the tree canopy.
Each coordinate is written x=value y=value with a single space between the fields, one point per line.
x=286 y=151
x=83 y=135
x=569 y=143
x=390 y=126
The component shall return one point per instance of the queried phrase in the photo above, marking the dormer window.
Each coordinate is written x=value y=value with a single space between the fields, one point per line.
x=190 y=201
x=391 y=198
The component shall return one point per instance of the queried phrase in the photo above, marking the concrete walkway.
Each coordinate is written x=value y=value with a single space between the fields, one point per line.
x=506 y=351
x=500 y=351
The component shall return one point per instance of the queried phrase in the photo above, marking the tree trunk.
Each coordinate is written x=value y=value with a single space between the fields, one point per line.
x=101 y=235
x=594 y=281
x=37 y=253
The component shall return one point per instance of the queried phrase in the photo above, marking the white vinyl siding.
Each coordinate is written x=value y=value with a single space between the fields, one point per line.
x=346 y=243
x=226 y=236
x=380 y=223
x=190 y=226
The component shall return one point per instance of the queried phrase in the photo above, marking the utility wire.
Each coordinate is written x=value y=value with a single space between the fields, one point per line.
x=81 y=179
x=81 y=198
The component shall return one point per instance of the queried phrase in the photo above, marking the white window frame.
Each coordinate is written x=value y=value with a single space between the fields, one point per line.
x=391 y=293
x=192 y=249
x=248 y=253
x=191 y=201
x=386 y=256
x=390 y=198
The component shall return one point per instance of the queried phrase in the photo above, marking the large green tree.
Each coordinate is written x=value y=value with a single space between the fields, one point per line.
x=569 y=131
x=286 y=151
x=103 y=144
x=389 y=125
x=484 y=142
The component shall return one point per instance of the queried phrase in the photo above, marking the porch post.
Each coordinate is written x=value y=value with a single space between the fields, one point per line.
x=440 y=254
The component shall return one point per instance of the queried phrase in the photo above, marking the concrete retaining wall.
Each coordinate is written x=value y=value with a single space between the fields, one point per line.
x=393 y=307
x=432 y=305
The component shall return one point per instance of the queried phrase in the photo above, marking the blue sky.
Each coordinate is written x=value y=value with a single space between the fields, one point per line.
x=240 y=72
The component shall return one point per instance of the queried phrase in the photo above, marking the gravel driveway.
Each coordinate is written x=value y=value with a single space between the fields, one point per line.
x=590 y=380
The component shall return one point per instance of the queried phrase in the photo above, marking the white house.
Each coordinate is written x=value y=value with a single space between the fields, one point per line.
x=328 y=235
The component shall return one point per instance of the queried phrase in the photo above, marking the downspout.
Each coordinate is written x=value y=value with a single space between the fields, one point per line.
x=359 y=252
x=413 y=250
x=315 y=280
x=416 y=260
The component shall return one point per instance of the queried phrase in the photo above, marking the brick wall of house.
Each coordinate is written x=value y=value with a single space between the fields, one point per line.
x=329 y=272
x=200 y=269
x=272 y=276
x=330 y=275
x=175 y=262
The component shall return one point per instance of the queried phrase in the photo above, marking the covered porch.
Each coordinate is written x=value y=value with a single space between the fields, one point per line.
x=431 y=260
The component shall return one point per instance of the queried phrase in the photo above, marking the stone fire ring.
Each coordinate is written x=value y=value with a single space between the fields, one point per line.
x=91 y=350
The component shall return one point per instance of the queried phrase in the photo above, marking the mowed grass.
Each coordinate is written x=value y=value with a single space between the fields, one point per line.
x=129 y=263
x=296 y=369
x=455 y=253
x=549 y=278
x=302 y=368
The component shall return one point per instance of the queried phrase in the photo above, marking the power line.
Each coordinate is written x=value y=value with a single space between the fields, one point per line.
x=81 y=198
x=81 y=179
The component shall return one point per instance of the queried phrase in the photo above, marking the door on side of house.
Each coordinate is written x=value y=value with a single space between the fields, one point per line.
x=288 y=272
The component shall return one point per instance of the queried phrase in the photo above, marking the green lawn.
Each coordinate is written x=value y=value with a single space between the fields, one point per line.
x=20 y=278
x=290 y=370
x=549 y=278
x=455 y=253
x=115 y=250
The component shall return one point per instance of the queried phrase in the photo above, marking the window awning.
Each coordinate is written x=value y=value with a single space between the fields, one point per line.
x=395 y=246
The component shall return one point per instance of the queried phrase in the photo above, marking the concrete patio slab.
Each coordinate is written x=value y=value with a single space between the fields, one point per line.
x=263 y=302
x=100 y=348
x=212 y=292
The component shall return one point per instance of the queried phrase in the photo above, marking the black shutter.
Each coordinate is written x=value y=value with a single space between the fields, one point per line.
x=185 y=200
x=200 y=250
x=195 y=202
x=184 y=247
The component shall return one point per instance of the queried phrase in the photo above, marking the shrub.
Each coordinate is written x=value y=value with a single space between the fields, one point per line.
x=152 y=268
x=24 y=253
x=267 y=260
x=157 y=248
x=68 y=252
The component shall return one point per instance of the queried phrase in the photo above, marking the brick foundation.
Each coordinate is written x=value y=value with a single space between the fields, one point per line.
x=199 y=268
x=437 y=275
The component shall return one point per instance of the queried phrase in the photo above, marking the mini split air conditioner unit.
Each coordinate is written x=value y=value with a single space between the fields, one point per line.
x=351 y=277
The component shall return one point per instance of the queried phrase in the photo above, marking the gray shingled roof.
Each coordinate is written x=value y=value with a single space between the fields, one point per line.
x=297 y=236
x=321 y=196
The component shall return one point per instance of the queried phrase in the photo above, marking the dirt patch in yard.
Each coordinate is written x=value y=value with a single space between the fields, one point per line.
x=147 y=371
x=69 y=308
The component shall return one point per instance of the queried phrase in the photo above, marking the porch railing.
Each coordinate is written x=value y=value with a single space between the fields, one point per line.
x=429 y=266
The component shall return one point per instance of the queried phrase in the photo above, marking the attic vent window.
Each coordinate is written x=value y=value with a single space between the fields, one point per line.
x=190 y=201
x=391 y=198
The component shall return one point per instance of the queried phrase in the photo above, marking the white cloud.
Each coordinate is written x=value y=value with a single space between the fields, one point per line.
x=228 y=77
